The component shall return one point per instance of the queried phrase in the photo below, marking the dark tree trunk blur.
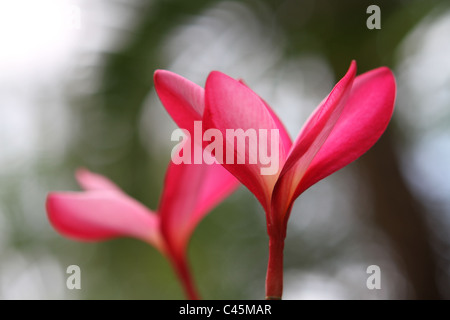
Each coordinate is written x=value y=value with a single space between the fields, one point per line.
x=401 y=217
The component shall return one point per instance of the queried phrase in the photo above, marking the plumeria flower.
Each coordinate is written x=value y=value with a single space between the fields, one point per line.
x=103 y=211
x=343 y=127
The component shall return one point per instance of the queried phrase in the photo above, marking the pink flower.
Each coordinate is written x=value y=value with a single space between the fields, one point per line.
x=344 y=126
x=104 y=211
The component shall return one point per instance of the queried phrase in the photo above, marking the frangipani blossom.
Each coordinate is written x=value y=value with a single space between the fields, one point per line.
x=343 y=127
x=103 y=211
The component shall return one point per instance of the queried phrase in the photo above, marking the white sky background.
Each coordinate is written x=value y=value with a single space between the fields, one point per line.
x=40 y=43
x=43 y=44
x=37 y=42
x=36 y=45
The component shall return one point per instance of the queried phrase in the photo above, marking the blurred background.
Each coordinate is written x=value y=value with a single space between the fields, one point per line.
x=76 y=90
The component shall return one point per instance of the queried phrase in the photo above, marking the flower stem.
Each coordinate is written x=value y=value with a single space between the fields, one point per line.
x=189 y=287
x=274 y=277
x=183 y=273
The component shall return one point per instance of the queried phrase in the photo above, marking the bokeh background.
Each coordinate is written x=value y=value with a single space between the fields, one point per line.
x=76 y=90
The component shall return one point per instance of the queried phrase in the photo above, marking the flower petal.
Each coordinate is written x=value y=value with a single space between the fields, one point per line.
x=308 y=143
x=366 y=115
x=230 y=105
x=284 y=135
x=101 y=215
x=363 y=120
x=190 y=192
x=93 y=181
x=183 y=99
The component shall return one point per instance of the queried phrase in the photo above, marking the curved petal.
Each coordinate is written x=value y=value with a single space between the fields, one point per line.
x=231 y=106
x=190 y=192
x=284 y=135
x=93 y=181
x=183 y=99
x=309 y=141
x=101 y=215
x=364 y=119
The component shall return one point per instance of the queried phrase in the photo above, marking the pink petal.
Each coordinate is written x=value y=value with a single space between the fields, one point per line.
x=232 y=105
x=364 y=119
x=310 y=141
x=93 y=181
x=183 y=99
x=284 y=135
x=101 y=215
x=190 y=192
